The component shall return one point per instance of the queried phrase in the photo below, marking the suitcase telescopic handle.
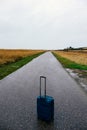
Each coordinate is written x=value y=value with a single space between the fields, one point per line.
x=43 y=77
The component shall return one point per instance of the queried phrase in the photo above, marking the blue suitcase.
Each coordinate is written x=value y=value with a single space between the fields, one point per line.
x=45 y=105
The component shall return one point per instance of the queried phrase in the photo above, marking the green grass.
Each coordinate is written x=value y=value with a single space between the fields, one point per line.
x=6 y=69
x=70 y=64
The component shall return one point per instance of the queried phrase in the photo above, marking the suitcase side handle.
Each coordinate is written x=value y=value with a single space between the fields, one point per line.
x=43 y=77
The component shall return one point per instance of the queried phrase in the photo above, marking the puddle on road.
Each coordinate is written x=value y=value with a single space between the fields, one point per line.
x=80 y=77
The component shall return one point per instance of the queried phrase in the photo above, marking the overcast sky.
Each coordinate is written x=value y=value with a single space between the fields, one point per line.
x=43 y=24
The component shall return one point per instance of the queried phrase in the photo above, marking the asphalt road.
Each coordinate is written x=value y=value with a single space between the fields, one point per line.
x=19 y=91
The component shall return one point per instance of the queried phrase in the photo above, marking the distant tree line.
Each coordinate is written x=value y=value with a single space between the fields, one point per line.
x=72 y=48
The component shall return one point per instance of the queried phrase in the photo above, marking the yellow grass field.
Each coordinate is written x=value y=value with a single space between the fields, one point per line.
x=7 y=55
x=79 y=57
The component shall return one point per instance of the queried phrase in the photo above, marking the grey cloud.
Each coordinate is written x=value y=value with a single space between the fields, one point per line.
x=48 y=24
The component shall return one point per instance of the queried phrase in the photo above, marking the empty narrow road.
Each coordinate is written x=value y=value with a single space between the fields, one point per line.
x=19 y=91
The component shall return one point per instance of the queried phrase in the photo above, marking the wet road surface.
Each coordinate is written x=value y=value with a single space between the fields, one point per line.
x=19 y=91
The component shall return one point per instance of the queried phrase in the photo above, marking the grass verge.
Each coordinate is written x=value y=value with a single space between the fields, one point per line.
x=69 y=64
x=6 y=69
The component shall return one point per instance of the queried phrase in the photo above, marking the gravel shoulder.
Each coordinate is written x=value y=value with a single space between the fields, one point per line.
x=80 y=77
